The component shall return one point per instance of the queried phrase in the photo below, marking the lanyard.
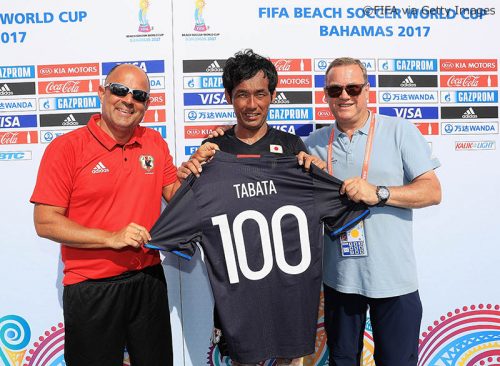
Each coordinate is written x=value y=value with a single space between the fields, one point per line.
x=368 y=149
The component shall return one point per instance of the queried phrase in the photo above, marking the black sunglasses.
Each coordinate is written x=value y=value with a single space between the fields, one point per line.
x=335 y=91
x=121 y=90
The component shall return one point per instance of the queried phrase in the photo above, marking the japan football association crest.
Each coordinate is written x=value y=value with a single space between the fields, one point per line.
x=147 y=163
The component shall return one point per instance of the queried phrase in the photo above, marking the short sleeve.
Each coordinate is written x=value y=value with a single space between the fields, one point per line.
x=416 y=153
x=169 y=170
x=54 y=182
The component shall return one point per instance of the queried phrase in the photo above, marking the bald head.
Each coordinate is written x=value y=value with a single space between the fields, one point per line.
x=127 y=68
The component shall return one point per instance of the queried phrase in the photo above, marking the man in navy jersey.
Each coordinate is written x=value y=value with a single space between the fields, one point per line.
x=250 y=86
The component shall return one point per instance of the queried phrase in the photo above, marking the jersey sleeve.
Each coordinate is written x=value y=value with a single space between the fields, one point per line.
x=300 y=146
x=179 y=227
x=169 y=170
x=337 y=212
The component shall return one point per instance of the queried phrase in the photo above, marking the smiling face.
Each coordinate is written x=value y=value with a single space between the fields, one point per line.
x=349 y=111
x=120 y=115
x=251 y=99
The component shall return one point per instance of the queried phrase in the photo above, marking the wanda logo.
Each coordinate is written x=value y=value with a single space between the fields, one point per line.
x=71 y=86
x=463 y=81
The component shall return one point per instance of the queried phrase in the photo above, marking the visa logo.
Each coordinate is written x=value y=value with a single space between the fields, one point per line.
x=410 y=112
x=204 y=98
x=18 y=121
x=302 y=130
x=149 y=66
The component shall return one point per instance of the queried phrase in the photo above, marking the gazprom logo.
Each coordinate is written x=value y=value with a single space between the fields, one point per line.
x=203 y=82
x=17 y=72
x=466 y=96
x=408 y=64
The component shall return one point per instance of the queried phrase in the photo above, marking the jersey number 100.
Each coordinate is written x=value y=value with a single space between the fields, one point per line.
x=265 y=235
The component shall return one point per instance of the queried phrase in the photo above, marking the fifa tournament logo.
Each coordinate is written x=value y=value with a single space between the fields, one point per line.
x=200 y=25
x=143 y=16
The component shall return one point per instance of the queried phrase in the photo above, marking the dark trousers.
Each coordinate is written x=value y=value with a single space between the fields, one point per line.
x=395 y=323
x=102 y=317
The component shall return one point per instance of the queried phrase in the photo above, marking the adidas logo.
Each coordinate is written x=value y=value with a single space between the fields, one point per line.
x=281 y=99
x=100 y=168
x=469 y=113
x=70 y=121
x=214 y=67
x=408 y=82
x=5 y=90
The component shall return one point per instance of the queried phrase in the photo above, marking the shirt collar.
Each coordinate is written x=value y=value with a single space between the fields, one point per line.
x=107 y=141
x=364 y=130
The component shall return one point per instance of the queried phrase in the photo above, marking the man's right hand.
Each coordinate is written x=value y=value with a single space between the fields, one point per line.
x=219 y=131
x=133 y=235
x=193 y=165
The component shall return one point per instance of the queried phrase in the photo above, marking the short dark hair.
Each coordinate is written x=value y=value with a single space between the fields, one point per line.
x=346 y=61
x=245 y=65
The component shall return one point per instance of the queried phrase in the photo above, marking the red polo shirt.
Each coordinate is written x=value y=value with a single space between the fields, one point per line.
x=107 y=186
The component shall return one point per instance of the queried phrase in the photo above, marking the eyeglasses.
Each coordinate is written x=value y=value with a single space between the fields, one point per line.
x=335 y=91
x=121 y=90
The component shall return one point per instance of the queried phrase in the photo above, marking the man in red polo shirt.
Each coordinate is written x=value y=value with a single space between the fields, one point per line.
x=98 y=193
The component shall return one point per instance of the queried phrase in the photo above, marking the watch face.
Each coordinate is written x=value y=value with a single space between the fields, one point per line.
x=383 y=193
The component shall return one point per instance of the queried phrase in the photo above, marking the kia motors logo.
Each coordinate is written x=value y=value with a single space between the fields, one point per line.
x=45 y=71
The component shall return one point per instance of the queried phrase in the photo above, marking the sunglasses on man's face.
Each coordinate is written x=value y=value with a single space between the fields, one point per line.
x=121 y=90
x=335 y=91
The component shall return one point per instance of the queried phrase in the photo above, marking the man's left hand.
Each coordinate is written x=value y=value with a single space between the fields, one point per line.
x=306 y=160
x=358 y=189
x=193 y=165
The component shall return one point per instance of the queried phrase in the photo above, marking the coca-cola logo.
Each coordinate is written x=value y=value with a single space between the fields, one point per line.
x=463 y=81
x=71 y=86
x=9 y=138
x=282 y=65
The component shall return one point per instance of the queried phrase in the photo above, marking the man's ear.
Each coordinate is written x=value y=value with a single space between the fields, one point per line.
x=228 y=97
x=273 y=95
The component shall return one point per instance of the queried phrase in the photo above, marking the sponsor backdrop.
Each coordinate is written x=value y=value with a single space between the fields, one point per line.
x=435 y=65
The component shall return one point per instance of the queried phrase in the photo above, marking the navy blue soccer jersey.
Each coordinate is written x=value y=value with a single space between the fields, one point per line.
x=260 y=223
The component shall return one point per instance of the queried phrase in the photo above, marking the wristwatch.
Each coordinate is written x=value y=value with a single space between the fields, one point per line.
x=383 y=195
